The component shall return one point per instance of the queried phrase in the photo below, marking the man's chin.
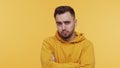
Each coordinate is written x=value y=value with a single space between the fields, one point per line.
x=65 y=36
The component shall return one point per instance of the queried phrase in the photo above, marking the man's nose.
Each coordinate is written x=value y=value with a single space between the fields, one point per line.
x=63 y=27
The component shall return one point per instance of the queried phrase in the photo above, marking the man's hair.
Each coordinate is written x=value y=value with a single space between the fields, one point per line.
x=63 y=9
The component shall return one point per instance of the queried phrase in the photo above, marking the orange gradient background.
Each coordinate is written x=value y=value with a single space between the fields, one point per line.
x=25 y=23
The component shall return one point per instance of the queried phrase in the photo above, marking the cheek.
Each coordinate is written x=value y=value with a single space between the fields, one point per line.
x=59 y=28
x=71 y=26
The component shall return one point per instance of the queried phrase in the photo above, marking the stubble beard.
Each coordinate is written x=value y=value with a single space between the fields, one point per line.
x=69 y=34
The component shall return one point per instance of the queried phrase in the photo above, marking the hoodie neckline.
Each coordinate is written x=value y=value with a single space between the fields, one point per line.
x=78 y=38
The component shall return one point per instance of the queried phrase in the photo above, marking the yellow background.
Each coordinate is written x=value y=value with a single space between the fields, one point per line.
x=25 y=23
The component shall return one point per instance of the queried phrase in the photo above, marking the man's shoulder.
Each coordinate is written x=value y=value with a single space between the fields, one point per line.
x=87 y=43
x=50 y=38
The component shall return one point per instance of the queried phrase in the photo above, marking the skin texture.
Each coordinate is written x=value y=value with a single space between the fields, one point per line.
x=66 y=24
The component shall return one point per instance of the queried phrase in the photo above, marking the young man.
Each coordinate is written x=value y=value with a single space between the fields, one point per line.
x=68 y=48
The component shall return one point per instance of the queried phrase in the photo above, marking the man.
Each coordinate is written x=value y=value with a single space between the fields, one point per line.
x=68 y=48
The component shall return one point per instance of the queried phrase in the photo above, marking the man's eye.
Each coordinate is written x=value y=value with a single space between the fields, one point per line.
x=67 y=22
x=59 y=23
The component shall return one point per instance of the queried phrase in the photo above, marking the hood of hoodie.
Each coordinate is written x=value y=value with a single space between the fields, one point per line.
x=78 y=38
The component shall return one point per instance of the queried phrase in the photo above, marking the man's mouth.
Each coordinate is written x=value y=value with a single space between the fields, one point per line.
x=64 y=32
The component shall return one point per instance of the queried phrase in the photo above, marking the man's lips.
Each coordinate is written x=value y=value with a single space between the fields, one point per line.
x=64 y=32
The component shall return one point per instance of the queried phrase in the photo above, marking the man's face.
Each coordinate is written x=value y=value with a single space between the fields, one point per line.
x=65 y=24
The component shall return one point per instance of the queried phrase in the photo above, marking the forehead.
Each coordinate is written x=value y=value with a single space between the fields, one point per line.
x=64 y=17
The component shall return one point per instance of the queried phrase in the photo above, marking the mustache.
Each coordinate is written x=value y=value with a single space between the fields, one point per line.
x=64 y=30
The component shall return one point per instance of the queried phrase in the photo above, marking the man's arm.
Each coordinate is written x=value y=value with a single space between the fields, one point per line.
x=87 y=59
x=47 y=61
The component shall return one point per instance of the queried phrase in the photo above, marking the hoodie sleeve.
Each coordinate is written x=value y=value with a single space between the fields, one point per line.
x=87 y=57
x=47 y=62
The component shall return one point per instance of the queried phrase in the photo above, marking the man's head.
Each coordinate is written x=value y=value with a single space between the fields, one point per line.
x=65 y=20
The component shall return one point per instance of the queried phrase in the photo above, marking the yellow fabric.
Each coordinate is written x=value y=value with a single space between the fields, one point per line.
x=57 y=53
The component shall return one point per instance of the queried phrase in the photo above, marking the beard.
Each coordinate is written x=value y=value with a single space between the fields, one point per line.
x=66 y=34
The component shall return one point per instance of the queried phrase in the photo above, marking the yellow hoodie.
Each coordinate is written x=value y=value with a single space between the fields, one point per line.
x=57 y=53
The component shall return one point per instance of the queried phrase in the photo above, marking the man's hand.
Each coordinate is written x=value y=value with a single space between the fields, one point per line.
x=52 y=58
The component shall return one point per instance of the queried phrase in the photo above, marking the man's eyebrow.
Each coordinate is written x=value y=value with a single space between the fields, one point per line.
x=66 y=21
x=58 y=22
